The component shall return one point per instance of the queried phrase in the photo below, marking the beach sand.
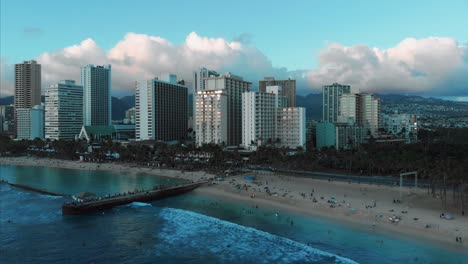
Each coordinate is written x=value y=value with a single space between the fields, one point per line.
x=353 y=203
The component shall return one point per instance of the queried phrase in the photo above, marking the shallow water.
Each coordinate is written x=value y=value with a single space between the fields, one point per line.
x=185 y=229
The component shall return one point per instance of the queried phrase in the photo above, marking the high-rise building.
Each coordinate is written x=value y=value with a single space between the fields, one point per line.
x=161 y=109
x=291 y=127
x=259 y=116
x=331 y=101
x=267 y=120
x=7 y=119
x=63 y=110
x=363 y=109
x=370 y=106
x=199 y=78
x=96 y=82
x=198 y=83
x=233 y=86
x=288 y=88
x=30 y=122
x=211 y=123
x=27 y=85
x=350 y=108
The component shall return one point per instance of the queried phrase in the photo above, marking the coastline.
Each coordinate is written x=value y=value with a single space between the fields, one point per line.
x=351 y=200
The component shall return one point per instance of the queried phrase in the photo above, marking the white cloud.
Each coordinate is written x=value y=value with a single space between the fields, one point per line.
x=434 y=66
x=425 y=66
x=7 y=86
x=139 y=56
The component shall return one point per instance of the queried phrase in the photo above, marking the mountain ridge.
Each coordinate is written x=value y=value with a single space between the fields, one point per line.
x=413 y=104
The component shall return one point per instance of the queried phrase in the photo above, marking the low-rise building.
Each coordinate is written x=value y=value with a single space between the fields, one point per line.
x=30 y=122
x=401 y=126
x=130 y=116
x=7 y=120
x=340 y=135
x=114 y=132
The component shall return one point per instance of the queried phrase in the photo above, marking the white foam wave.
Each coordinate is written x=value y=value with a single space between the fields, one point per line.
x=232 y=242
x=138 y=204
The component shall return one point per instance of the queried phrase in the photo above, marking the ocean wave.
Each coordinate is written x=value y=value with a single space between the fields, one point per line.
x=189 y=231
x=138 y=204
x=25 y=207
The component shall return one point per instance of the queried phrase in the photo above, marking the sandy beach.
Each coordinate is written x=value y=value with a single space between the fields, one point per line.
x=364 y=206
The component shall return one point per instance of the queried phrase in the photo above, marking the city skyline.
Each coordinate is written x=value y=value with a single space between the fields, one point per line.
x=398 y=51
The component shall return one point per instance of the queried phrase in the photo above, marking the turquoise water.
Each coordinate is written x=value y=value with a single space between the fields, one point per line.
x=185 y=229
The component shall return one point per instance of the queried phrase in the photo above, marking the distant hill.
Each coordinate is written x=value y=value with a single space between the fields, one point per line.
x=129 y=100
x=394 y=102
x=422 y=106
x=7 y=100
x=313 y=105
x=119 y=107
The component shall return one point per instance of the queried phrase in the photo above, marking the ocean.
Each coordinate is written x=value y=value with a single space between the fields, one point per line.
x=190 y=228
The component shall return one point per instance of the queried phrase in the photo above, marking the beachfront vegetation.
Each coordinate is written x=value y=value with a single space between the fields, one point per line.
x=440 y=157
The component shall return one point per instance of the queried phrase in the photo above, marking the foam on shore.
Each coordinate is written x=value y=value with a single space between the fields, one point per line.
x=189 y=231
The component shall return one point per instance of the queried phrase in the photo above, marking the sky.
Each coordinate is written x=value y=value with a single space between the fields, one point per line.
x=409 y=47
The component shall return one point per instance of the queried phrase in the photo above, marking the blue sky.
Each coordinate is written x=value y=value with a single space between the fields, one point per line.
x=290 y=33
x=285 y=31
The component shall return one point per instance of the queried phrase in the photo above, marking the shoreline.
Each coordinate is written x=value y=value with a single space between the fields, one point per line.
x=351 y=200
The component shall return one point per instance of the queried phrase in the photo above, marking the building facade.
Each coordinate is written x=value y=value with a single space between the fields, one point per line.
x=30 y=122
x=233 y=86
x=331 y=101
x=371 y=121
x=7 y=120
x=288 y=88
x=211 y=123
x=96 y=82
x=199 y=78
x=350 y=108
x=198 y=83
x=63 y=110
x=161 y=109
x=291 y=127
x=27 y=85
x=401 y=126
x=259 y=116
x=339 y=135
x=362 y=109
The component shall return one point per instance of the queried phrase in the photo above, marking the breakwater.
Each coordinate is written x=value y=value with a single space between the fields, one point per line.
x=33 y=189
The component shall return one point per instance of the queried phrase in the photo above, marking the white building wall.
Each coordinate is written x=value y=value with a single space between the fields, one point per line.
x=233 y=86
x=63 y=110
x=350 y=108
x=292 y=127
x=144 y=111
x=370 y=113
x=211 y=124
x=37 y=122
x=248 y=119
x=23 y=123
x=259 y=111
